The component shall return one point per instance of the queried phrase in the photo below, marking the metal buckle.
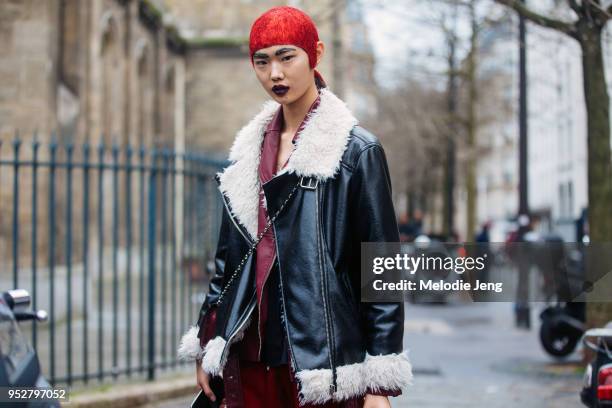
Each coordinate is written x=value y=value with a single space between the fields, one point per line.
x=311 y=183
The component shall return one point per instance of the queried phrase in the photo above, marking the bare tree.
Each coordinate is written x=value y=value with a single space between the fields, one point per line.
x=464 y=92
x=411 y=124
x=588 y=28
x=466 y=120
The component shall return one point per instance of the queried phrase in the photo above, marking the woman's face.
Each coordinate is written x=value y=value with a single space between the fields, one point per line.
x=284 y=72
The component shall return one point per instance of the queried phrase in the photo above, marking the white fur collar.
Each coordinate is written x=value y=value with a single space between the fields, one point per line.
x=317 y=153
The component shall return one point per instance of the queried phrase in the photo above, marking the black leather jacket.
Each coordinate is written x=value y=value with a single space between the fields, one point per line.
x=338 y=345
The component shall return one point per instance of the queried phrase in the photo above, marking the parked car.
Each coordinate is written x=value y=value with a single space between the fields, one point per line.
x=597 y=386
x=431 y=247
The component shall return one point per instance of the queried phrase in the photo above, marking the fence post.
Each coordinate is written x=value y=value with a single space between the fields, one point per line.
x=100 y=258
x=152 y=225
x=128 y=244
x=16 y=145
x=141 y=255
x=34 y=238
x=52 y=167
x=86 y=304
x=69 y=148
x=115 y=226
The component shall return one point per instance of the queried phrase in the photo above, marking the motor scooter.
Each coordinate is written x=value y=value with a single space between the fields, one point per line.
x=563 y=321
x=19 y=364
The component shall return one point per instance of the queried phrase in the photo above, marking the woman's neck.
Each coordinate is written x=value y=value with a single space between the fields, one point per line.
x=294 y=113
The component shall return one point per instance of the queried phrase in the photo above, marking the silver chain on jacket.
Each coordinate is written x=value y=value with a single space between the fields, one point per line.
x=254 y=245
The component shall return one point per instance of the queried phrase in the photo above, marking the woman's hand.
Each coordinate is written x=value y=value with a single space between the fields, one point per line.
x=203 y=381
x=376 y=401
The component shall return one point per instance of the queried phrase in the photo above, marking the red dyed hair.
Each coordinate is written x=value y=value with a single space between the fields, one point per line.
x=285 y=25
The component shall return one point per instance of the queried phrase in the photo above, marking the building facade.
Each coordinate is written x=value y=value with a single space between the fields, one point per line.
x=557 y=129
x=98 y=71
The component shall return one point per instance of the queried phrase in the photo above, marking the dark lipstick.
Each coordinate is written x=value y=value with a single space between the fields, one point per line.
x=280 y=90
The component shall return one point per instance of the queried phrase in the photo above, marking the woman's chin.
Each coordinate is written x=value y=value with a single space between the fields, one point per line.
x=284 y=99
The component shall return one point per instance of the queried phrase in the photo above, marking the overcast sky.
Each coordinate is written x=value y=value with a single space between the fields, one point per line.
x=408 y=41
x=404 y=44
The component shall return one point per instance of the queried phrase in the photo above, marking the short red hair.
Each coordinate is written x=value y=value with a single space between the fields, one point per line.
x=286 y=25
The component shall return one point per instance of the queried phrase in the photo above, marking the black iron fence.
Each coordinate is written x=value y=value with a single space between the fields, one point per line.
x=113 y=241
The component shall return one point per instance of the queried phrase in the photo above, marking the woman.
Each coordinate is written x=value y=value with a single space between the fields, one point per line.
x=283 y=323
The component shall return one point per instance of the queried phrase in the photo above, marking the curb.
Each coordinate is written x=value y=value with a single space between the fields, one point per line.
x=134 y=395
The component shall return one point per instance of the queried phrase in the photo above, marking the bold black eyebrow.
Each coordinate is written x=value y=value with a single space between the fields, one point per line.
x=261 y=55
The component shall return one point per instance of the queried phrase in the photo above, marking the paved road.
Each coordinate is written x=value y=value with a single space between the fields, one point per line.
x=470 y=355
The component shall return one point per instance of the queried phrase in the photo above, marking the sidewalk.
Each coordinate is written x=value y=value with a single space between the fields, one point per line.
x=134 y=394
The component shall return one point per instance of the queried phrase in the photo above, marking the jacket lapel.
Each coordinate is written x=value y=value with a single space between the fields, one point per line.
x=318 y=152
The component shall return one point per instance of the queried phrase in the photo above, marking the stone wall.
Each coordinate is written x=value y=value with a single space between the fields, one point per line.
x=222 y=95
x=28 y=48
x=79 y=71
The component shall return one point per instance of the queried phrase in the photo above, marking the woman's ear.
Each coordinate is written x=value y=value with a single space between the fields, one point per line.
x=320 y=51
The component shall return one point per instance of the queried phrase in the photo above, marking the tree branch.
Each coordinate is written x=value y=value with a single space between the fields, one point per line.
x=574 y=5
x=605 y=14
x=544 y=21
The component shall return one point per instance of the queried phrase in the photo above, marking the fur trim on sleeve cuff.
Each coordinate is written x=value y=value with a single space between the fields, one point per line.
x=376 y=373
x=388 y=372
x=213 y=353
x=189 y=346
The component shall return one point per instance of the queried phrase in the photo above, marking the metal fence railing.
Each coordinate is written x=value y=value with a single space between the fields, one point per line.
x=113 y=242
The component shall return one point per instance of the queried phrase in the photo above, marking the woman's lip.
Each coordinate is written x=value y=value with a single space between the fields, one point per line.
x=280 y=90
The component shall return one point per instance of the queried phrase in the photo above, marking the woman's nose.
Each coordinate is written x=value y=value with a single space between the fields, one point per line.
x=276 y=72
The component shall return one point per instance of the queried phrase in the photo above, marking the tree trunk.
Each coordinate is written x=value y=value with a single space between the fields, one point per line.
x=470 y=171
x=599 y=164
x=470 y=182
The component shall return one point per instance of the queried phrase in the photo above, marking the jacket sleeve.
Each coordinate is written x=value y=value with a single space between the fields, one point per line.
x=383 y=323
x=192 y=343
x=216 y=283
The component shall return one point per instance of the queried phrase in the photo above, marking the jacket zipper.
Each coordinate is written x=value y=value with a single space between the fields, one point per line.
x=328 y=326
x=280 y=274
x=239 y=327
x=259 y=306
x=265 y=278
